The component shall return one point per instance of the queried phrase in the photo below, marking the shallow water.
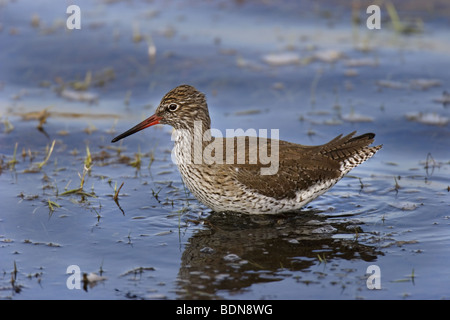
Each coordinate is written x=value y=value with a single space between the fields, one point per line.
x=157 y=241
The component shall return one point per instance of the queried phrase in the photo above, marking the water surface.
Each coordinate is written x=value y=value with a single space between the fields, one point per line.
x=157 y=241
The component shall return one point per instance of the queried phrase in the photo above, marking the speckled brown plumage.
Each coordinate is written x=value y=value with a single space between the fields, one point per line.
x=303 y=172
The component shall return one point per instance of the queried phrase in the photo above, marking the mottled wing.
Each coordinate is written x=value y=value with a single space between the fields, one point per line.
x=301 y=167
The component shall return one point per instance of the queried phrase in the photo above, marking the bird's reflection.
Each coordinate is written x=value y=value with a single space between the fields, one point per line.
x=235 y=251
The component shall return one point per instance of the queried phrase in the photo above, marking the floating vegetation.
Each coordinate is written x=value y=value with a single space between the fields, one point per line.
x=137 y=271
x=247 y=112
x=78 y=90
x=391 y=84
x=78 y=191
x=355 y=117
x=73 y=95
x=414 y=84
x=48 y=244
x=328 y=56
x=248 y=64
x=281 y=59
x=424 y=84
x=28 y=197
x=41 y=116
x=45 y=113
x=408 y=278
x=292 y=58
x=428 y=118
x=163 y=233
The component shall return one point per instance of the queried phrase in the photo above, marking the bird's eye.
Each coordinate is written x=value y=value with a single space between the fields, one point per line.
x=172 y=107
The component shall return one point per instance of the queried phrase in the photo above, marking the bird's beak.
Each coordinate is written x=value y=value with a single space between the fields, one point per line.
x=154 y=119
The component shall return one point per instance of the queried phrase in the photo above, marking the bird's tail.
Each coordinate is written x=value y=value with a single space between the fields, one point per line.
x=351 y=151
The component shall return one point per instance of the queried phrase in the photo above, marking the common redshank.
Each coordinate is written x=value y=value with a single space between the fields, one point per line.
x=232 y=174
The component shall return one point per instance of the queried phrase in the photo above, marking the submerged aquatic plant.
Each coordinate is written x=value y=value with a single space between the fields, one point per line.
x=8 y=125
x=37 y=168
x=80 y=190
x=87 y=165
x=49 y=153
x=51 y=206
x=400 y=26
x=116 y=192
x=12 y=163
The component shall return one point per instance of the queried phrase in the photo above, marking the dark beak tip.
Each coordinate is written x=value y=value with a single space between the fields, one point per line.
x=142 y=125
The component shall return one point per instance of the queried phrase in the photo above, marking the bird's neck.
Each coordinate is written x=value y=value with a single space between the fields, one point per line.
x=190 y=143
